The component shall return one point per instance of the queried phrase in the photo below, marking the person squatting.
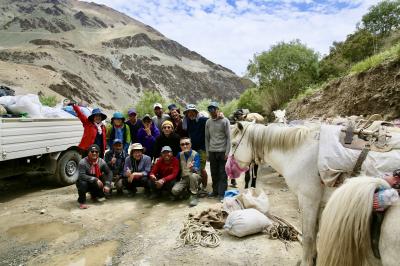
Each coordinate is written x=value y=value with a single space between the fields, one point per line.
x=163 y=154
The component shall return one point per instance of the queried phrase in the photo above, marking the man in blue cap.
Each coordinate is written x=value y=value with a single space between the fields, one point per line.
x=218 y=143
x=115 y=159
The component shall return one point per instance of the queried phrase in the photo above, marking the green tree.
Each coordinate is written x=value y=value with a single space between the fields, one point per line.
x=284 y=71
x=146 y=102
x=229 y=108
x=382 y=18
x=203 y=104
x=250 y=99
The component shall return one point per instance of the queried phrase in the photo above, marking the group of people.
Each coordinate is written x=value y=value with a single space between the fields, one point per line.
x=167 y=153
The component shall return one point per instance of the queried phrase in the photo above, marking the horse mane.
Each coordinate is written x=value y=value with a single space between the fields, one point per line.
x=263 y=139
x=344 y=234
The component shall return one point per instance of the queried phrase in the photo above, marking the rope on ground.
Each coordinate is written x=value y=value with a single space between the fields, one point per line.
x=195 y=233
x=282 y=230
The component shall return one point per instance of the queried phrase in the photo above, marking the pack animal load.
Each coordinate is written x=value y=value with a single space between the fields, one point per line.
x=371 y=148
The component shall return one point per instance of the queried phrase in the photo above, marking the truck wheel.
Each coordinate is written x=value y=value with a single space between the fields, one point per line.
x=67 y=168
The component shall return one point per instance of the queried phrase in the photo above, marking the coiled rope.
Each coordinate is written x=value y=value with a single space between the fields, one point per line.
x=195 y=233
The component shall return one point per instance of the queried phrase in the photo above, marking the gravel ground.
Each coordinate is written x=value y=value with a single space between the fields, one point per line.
x=41 y=225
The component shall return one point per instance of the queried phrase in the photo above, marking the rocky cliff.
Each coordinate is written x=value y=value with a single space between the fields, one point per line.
x=88 y=51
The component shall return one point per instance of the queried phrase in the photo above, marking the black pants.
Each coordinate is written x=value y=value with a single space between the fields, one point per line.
x=91 y=187
x=218 y=174
x=142 y=182
x=166 y=187
x=251 y=174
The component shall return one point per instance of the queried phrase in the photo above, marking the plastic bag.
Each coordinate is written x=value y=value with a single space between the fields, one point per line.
x=232 y=204
x=246 y=222
x=257 y=199
x=28 y=103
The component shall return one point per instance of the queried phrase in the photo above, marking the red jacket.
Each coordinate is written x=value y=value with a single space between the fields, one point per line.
x=89 y=130
x=168 y=172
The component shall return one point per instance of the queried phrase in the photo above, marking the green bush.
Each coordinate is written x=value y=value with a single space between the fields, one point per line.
x=377 y=59
x=48 y=100
x=251 y=99
x=229 y=108
x=203 y=104
x=146 y=103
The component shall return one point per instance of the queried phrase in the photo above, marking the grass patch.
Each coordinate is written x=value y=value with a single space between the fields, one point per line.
x=48 y=100
x=375 y=60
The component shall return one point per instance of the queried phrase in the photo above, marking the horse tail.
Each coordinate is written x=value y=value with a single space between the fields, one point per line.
x=344 y=234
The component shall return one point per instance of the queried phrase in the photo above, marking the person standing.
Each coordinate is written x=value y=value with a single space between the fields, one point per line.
x=134 y=124
x=217 y=142
x=137 y=169
x=94 y=177
x=147 y=136
x=189 y=161
x=159 y=117
x=115 y=159
x=195 y=125
x=117 y=129
x=176 y=120
x=94 y=131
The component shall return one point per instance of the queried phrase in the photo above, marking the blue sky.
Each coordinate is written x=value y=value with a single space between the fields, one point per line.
x=230 y=32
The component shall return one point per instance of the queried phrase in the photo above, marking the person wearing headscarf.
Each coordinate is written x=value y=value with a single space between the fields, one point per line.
x=167 y=138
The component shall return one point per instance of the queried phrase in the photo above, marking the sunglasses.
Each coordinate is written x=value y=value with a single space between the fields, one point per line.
x=94 y=151
x=185 y=144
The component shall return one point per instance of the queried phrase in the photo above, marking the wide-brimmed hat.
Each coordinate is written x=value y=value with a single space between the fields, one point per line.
x=136 y=146
x=190 y=107
x=97 y=111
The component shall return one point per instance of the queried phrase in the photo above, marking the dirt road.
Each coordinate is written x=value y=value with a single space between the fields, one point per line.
x=41 y=225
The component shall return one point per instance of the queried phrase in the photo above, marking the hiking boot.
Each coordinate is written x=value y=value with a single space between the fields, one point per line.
x=193 y=200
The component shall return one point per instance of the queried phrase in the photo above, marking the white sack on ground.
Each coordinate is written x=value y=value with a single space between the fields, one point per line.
x=232 y=204
x=254 y=198
x=246 y=222
x=334 y=159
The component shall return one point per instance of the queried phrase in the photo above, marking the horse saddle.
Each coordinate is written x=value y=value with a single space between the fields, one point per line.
x=371 y=135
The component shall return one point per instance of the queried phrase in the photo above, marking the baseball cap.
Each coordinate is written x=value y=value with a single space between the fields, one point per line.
x=132 y=111
x=117 y=141
x=157 y=105
x=166 y=148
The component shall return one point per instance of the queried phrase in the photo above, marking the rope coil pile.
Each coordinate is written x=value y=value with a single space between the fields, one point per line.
x=195 y=233
x=282 y=230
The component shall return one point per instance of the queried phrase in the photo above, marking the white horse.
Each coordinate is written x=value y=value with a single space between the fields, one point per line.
x=292 y=152
x=344 y=236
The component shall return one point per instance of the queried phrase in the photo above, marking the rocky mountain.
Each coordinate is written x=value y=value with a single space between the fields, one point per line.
x=376 y=91
x=88 y=51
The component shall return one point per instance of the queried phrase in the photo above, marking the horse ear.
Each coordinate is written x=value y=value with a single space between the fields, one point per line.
x=240 y=126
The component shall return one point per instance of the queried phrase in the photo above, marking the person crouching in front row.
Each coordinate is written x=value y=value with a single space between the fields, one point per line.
x=189 y=161
x=94 y=177
x=136 y=170
x=164 y=173
x=115 y=159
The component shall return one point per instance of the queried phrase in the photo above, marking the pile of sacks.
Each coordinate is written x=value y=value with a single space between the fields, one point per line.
x=29 y=105
x=246 y=213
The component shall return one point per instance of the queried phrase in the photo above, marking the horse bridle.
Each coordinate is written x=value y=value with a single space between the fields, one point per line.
x=240 y=140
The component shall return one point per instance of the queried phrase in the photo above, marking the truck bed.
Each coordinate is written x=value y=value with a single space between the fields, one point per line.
x=24 y=137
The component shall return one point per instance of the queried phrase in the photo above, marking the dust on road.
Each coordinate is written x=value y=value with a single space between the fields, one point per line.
x=43 y=226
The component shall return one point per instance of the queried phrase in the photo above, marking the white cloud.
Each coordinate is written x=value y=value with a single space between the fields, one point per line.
x=231 y=35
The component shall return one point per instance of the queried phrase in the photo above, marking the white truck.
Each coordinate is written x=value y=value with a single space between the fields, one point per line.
x=48 y=145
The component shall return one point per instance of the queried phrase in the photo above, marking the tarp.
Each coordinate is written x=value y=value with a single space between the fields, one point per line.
x=334 y=159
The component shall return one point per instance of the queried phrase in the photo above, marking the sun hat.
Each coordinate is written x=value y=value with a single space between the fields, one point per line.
x=97 y=111
x=166 y=148
x=190 y=107
x=167 y=122
x=118 y=115
x=132 y=111
x=136 y=146
x=157 y=105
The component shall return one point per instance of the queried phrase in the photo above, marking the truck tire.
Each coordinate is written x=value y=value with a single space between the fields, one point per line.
x=67 y=168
